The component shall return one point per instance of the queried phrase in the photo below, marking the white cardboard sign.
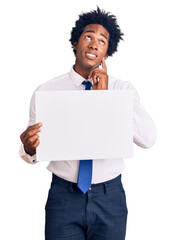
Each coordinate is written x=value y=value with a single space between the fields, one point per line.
x=85 y=124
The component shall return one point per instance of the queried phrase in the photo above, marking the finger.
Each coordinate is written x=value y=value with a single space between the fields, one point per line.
x=36 y=143
x=95 y=80
x=32 y=149
x=22 y=135
x=95 y=76
x=37 y=125
x=30 y=134
x=104 y=67
x=96 y=71
x=30 y=141
x=91 y=72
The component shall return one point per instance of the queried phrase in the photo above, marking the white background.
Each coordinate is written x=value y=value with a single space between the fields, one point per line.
x=34 y=48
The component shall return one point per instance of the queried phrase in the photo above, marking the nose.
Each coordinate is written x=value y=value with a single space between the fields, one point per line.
x=93 y=45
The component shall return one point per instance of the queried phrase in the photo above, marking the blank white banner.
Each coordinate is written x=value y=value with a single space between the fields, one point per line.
x=85 y=124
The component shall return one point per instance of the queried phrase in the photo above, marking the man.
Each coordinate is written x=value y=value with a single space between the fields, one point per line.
x=97 y=209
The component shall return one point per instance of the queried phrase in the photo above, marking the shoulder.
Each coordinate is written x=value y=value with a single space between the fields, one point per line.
x=118 y=84
x=53 y=84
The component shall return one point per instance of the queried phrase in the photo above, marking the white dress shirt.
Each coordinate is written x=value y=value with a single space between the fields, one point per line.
x=144 y=130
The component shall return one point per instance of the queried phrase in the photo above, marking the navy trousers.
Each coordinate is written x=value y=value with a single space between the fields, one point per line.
x=100 y=214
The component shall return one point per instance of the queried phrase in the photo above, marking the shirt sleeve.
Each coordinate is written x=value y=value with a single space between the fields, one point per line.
x=144 y=128
x=32 y=120
x=26 y=157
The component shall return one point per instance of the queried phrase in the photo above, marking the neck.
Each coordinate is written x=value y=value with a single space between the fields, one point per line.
x=83 y=71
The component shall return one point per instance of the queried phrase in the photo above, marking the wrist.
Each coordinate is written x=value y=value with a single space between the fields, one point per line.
x=31 y=153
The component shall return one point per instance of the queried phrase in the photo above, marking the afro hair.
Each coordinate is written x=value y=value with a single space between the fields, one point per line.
x=107 y=20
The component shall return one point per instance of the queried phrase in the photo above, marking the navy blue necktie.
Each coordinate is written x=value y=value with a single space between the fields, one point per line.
x=85 y=166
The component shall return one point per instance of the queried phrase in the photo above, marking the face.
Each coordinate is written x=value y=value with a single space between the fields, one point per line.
x=92 y=47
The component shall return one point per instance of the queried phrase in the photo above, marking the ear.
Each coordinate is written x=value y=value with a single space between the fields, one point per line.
x=106 y=56
x=75 y=46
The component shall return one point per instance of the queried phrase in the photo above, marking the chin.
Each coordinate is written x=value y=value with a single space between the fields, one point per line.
x=92 y=64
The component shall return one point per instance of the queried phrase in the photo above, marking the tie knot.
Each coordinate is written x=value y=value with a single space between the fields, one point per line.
x=87 y=84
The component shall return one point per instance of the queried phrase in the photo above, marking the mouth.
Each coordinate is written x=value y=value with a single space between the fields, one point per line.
x=91 y=56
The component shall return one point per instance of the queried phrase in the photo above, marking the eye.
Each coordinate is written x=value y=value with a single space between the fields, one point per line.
x=88 y=37
x=102 y=42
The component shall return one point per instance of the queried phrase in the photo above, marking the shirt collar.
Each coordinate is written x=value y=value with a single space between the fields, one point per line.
x=78 y=79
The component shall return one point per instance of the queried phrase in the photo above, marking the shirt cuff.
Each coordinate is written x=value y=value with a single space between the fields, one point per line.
x=26 y=157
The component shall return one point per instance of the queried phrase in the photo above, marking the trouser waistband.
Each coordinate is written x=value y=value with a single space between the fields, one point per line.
x=104 y=186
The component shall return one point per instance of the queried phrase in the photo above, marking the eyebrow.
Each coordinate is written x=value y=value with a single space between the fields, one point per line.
x=94 y=32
